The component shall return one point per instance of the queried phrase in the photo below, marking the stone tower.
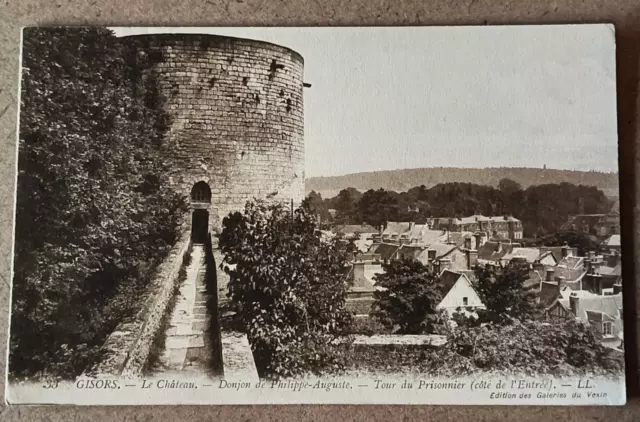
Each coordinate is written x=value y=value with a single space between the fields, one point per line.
x=236 y=123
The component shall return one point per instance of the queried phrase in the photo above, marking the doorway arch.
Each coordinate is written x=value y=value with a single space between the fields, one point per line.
x=200 y=203
x=201 y=193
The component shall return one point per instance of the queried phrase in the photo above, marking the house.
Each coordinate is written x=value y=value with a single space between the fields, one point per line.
x=457 y=292
x=602 y=313
x=602 y=279
x=506 y=226
x=362 y=233
x=601 y=225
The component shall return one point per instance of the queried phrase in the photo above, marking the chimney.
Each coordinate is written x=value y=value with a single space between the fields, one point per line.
x=444 y=264
x=573 y=301
x=358 y=274
x=472 y=258
x=613 y=259
x=617 y=288
x=411 y=225
x=499 y=247
x=478 y=241
x=565 y=251
x=467 y=243
x=562 y=281
x=587 y=265
x=550 y=274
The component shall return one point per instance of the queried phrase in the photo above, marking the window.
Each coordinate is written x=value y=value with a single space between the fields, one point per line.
x=465 y=301
x=606 y=329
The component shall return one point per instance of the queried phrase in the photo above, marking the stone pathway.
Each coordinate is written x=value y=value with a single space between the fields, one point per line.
x=186 y=345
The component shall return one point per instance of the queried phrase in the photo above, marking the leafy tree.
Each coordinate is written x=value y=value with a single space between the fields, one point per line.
x=408 y=297
x=346 y=206
x=94 y=214
x=376 y=207
x=315 y=205
x=503 y=292
x=288 y=284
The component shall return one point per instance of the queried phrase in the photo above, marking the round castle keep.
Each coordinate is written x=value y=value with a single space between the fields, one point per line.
x=236 y=123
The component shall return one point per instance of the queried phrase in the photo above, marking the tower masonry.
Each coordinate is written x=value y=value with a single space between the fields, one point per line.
x=236 y=119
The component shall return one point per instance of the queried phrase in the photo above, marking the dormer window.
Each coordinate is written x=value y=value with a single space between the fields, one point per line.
x=607 y=329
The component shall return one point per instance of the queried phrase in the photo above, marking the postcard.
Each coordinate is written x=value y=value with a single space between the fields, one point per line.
x=398 y=215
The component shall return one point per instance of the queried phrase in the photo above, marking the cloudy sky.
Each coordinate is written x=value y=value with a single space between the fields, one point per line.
x=393 y=98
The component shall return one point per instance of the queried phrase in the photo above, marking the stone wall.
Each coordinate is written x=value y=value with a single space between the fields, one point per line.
x=236 y=116
x=127 y=348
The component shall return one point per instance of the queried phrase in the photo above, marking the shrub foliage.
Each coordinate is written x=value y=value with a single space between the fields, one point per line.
x=94 y=215
x=288 y=284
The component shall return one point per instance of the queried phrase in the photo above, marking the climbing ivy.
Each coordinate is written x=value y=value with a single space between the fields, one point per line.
x=94 y=214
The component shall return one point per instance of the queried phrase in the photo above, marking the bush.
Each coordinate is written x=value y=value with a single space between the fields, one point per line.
x=528 y=348
x=288 y=285
x=94 y=214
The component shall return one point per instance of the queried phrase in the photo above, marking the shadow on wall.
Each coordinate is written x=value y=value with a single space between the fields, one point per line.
x=213 y=330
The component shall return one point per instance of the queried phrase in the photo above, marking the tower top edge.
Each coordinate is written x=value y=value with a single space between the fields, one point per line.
x=170 y=38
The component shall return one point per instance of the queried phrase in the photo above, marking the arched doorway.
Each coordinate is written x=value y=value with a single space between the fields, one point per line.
x=200 y=202
x=201 y=193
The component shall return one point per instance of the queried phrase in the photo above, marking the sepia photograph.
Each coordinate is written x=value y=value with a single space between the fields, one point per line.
x=397 y=215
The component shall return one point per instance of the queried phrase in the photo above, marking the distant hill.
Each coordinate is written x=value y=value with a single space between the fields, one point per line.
x=402 y=180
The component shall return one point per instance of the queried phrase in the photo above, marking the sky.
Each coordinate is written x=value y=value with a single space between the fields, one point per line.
x=487 y=96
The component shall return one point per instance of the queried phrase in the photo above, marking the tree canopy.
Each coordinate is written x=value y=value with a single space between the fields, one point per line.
x=543 y=209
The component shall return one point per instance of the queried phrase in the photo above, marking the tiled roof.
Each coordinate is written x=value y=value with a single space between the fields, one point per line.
x=571 y=262
x=448 y=279
x=354 y=228
x=548 y=293
x=396 y=227
x=609 y=305
x=415 y=231
x=494 y=251
x=441 y=249
x=613 y=241
x=385 y=250
x=530 y=254
x=555 y=250
x=611 y=271
x=411 y=251
x=572 y=277
x=433 y=236
x=476 y=218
